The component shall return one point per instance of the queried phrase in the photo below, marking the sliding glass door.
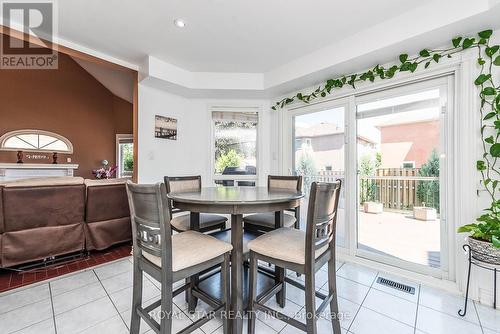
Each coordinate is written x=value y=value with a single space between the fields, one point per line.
x=319 y=154
x=389 y=148
x=400 y=156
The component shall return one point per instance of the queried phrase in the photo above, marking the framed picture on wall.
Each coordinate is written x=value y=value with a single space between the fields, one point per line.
x=165 y=127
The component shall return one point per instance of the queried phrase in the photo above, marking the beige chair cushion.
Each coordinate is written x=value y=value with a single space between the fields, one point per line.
x=286 y=244
x=183 y=222
x=191 y=248
x=43 y=181
x=267 y=219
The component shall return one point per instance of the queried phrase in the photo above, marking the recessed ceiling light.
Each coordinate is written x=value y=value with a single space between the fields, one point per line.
x=179 y=23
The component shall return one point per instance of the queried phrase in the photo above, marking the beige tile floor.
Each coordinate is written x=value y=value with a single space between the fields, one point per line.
x=99 y=301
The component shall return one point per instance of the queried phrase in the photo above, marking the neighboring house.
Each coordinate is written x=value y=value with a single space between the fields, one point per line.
x=326 y=143
x=408 y=145
x=401 y=145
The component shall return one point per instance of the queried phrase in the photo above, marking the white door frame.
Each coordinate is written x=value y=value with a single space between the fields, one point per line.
x=289 y=129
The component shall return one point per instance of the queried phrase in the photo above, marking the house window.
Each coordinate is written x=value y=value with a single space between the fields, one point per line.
x=35 y=141
x=408 y=164
x=235 y=148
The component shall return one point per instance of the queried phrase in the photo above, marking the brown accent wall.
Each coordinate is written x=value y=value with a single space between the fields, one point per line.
x=70 y=102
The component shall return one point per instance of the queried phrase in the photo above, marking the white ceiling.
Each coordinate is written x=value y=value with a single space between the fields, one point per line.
x=261 y=48
x=221 y=35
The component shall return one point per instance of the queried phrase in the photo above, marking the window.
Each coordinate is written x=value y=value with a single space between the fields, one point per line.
x=35 y=141
x=408 y=164
x=125 y=155
x=235 y=148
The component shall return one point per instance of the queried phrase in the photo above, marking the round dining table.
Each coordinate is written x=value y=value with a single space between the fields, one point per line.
x=237 y=201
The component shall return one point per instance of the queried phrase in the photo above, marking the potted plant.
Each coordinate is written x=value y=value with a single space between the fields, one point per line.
x=484 y=238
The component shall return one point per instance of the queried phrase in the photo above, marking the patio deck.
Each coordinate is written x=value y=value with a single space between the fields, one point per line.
x=393 y=233
x=399 y=235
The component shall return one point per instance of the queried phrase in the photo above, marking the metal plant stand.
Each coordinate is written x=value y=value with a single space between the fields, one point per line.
x=480 y=264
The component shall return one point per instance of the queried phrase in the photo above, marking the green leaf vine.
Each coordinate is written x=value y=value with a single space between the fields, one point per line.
x=488 y=56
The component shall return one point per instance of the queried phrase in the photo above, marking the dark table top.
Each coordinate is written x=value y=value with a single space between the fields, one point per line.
x=236 y=196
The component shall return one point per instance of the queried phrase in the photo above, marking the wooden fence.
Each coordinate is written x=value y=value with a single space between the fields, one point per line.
x=395 y=188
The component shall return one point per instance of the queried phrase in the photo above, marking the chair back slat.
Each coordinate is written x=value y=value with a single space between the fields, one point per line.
x=183 y=184
x=285 y=182
x=180 y=184
x=150 y=219
x=322 y=215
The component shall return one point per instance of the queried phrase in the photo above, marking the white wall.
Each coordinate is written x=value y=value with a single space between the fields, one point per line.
x=191 y=153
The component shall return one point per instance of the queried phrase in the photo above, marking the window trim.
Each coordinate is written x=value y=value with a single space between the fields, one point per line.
x=14 y=133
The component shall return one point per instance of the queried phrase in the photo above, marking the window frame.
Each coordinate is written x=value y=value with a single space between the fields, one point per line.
x=218 y=177
x=15 y=133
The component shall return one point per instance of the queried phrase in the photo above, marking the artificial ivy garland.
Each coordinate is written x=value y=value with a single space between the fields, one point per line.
x=488 y=57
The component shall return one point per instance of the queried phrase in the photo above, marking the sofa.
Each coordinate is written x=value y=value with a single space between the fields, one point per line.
x=107 y=215
x=42 y=218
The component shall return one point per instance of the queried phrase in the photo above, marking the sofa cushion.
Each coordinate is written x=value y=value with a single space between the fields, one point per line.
x=106 y=202
x=43 y=182
x=104 y=182
x=33 y=207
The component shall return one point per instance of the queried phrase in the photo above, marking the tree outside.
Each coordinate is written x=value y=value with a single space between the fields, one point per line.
x=229 y=159
x=368 y=166
x=128 y=158
x=235 y=144
x=428 y=191
x=306 y=167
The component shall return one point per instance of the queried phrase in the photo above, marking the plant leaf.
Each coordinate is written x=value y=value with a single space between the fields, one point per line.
x=486 y=33
x=467 y=228
x=490 y=140
x=492 y=50
x=489 y=115
x=480 y=165
x=403 y=58
x=436 y=57
x=482 y=79
x=468 y=42
x=495 y=150
x=497 y=61
x=424 y=53
x=489 y=91
x=495 y=240
x=456 y=41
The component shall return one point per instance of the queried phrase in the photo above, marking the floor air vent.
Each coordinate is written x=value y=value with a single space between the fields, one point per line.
x=396 y=285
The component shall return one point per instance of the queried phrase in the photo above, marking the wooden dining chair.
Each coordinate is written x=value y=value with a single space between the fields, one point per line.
x=181 y=219
x=265 y=222
x=304 y=252
x=169 y=258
